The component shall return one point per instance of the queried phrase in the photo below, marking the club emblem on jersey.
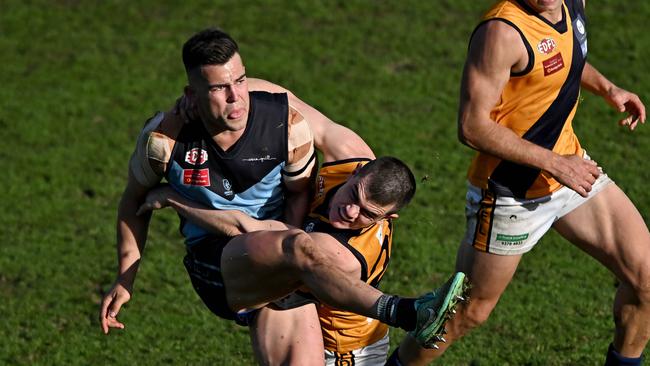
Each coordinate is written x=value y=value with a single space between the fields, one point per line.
x=196 y=177
x=196 y=156
x=580 y=27
x=227 y=187
x=546 y=46
x=310 y=227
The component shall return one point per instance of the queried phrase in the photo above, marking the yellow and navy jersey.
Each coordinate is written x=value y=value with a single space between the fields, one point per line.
x=344 y=331
x=539 y=102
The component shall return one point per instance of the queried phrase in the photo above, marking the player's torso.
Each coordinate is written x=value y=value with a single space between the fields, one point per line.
x=539 y=102
x=344 y=331
x=247 y=177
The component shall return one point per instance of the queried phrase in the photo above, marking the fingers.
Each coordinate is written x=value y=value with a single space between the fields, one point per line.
x=636 y=111
x=111 y=306
x=144 y=208
x=149 y=204
x=630 y=121
x=103 y=313
x=583 y=191
x=636 y=108
x=586 y=173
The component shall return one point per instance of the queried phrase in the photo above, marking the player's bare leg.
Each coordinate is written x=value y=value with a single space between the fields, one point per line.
x=484 y=293
x=609 y=228
x=263 y=266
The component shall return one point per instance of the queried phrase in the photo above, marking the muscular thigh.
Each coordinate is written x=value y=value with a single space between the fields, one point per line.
x=255 y=268
x=609 y=228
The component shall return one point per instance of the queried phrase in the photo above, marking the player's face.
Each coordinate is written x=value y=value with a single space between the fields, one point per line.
x=221 y=95
x=350 y=209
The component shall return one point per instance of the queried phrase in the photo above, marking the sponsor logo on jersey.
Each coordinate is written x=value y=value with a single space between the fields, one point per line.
x=196 y=156
x=196 y=177
x=261 y=159
x=553 y=64
x=546 y=46
x=227 y=187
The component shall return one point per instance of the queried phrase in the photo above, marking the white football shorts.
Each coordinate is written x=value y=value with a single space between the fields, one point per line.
x=371 y=355
x=511 y=226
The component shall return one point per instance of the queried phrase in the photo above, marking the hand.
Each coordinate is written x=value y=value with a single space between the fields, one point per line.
x=113 y=301
x=625 y=101
x=156 y=199
x=185 y=109
x=576 y=173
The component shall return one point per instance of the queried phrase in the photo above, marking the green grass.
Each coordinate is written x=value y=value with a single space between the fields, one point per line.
x=80 y=77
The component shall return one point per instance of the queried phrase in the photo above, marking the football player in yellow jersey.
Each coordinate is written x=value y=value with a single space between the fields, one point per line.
x=520 y=88
x=355 y=199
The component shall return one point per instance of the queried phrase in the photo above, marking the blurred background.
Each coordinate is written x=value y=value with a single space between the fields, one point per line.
x=79 y=78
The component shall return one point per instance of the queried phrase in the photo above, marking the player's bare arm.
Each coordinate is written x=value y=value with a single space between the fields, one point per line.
x=497 y=50
x=621 y=99
x=335 y=141
x=146 y=168
x=223 y=222
x=300 y=171
x=131 y=239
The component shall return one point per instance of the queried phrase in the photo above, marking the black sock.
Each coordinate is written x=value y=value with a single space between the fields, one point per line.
x=405 y=315
x=397 y=311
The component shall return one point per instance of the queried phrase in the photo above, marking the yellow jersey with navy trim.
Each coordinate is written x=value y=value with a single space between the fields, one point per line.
x=344 y=331
x=538 y=103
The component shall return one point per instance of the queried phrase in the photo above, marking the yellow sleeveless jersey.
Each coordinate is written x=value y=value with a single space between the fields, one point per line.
x=539 y=103
x=344 y=331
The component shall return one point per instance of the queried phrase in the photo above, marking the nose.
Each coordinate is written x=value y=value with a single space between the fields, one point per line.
x=231 y=94
x=352 y=212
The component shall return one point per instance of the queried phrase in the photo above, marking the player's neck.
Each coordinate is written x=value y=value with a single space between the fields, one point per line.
x=226 y=139
x=553 y=16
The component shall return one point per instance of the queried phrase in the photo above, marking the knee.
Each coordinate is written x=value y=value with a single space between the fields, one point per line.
x=641 y=286
x=300 y=250
x=472 y=315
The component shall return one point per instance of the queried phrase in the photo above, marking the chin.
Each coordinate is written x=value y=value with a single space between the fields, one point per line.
x=236 y=124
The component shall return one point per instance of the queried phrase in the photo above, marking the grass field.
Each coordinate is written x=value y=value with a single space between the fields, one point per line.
x=80 y=77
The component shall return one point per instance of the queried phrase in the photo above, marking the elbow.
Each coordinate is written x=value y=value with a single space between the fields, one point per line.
x=466 y=135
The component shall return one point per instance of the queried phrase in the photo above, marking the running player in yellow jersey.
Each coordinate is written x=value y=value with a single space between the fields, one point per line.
x=350 y=219
x=520 y=89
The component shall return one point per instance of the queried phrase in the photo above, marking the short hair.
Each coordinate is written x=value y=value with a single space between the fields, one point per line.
x=210 y=46
x=388 y=181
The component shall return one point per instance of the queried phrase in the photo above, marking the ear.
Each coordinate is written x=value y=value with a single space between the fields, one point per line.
x=392 y=216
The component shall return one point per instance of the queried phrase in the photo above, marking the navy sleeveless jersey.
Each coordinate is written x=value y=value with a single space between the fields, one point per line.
x=246 y=177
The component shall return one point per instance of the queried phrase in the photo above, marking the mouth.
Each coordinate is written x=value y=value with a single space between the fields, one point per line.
x=236 y=113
